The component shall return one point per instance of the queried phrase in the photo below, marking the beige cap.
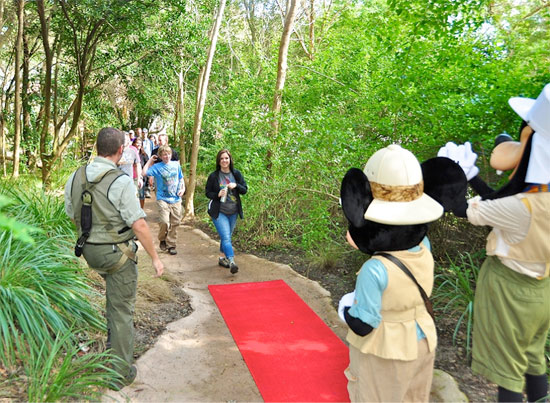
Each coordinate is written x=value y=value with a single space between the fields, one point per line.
x=397 y=187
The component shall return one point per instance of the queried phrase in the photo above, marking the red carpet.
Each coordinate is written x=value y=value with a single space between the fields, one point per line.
x=291 y=353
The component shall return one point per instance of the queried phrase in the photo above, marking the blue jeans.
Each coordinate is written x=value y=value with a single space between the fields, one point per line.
x=225 y=224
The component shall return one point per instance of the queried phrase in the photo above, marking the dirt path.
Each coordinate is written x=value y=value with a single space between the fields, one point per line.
x=196 y=358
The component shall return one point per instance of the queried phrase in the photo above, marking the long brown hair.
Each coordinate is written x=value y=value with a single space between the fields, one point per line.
x=140 y=149
x=218 y=158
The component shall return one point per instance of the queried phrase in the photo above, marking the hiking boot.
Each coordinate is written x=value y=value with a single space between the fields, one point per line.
x=162 y=245
x=223 y=262
x=172 y=251
x=127 y=380
x=233 y=268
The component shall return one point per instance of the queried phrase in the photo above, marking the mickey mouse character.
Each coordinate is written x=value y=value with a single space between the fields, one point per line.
x=392 y=336
x=512 y=299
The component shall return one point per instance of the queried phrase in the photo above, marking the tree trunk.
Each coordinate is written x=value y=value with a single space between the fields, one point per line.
x=3 y=114
x=46 y=89
x=202 y=86
x=17 y=102
x=85 y=50
x=60 y=146
x=56 y=49
x=4 y=35
x=179 y=122
x=250 y=7
x=282 y=68
x=311 y=29
x=27 y=135
x=2 y=133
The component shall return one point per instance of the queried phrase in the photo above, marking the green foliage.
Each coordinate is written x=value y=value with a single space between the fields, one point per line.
x=61 y=174
x=20 y=231
x=45 y=301
x=42 y=291
x=419 y=74
x=415 y=72
x=44 y=211
x=454 y=293
x=60 y=372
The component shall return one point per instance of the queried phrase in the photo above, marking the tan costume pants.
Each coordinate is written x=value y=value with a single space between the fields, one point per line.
x=170 y=218
x=375 y=379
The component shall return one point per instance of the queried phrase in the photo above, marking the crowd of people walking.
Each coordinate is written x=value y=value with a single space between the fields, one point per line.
x=105 y=199
x=153 y=165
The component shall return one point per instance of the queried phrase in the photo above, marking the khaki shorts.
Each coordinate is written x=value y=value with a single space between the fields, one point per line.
x=375 y=379
x=511 y=322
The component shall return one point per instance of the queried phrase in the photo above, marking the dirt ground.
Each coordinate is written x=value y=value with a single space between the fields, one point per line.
x=195 y=352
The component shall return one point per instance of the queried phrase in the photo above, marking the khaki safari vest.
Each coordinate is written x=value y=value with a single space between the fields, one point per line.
x=535 y=247
x=107 y=224
x=402 y=307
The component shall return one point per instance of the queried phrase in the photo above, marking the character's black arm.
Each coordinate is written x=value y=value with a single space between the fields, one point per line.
x=357 y=325
x=459 y=209
x=480 y=187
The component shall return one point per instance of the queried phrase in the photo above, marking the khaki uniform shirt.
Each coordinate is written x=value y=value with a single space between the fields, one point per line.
x=122 y=193
x=511 y=220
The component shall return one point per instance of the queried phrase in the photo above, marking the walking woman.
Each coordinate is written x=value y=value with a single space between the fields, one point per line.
x=224 y=187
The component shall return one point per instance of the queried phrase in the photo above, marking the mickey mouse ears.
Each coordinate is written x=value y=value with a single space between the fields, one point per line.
x=397 y=186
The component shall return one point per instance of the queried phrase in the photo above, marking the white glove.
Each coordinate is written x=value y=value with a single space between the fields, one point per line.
x=346 y=301
x=463 y=155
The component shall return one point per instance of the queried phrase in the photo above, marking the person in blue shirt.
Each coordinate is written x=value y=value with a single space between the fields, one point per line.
x=170 y=187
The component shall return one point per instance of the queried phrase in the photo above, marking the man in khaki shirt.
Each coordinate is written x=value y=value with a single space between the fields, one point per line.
x=111 y=252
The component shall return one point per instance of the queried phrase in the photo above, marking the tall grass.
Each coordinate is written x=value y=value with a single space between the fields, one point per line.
x=41 y=291
x=46 y=301
x=60 y=372
x=32 y=206
x=454 y=293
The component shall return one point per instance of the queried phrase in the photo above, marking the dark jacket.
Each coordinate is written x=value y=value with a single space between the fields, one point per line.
x=213 y=188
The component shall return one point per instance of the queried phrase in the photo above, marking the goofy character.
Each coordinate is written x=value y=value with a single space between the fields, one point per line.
x=512 y=298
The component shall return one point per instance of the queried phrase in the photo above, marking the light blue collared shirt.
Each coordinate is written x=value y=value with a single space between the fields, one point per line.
x=370 y=285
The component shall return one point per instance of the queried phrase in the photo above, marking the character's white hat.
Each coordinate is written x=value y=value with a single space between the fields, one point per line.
x=397 y=187
x=536 y=112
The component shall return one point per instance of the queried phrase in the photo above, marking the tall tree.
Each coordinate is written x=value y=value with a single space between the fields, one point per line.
x=17 y=71
x=282 y=67
x=179 y=118
x=81 y=28
x=202 y=86
x=7 y=16
x=46 y=88
x=5 y=34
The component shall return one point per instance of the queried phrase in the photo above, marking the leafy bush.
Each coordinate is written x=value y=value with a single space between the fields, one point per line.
x=19 y=230
x=45 y=300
